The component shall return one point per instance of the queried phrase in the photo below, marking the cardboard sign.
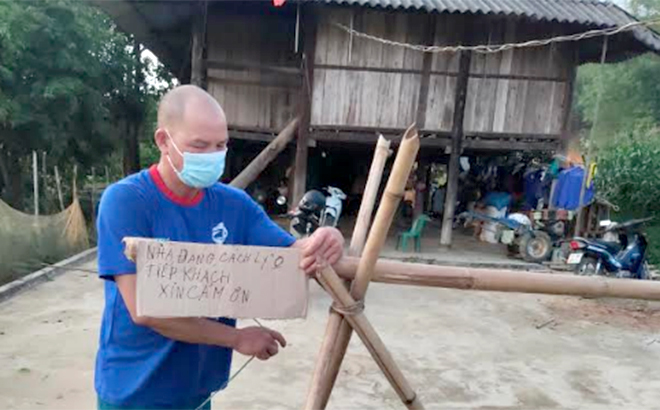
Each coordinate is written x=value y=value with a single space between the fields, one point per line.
x=178 y=279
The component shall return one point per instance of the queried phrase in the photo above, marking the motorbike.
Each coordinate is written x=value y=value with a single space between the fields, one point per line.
x=268 y=197
x=316 y=209
x=625 y=258
x=533 y=244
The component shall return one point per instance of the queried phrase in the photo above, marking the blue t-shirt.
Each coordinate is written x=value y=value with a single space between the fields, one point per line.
x=135 y=366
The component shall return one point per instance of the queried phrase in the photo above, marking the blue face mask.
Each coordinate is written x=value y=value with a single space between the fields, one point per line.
x=200 y=170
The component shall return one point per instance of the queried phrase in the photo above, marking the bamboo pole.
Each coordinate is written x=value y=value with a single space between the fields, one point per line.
x=359 y=322
x=369 y=196
x=254 y=168
x=396 y=184
x=58 y=184
x=503 y=280
x=338 y=336
x=492 y=280
x=326 y=371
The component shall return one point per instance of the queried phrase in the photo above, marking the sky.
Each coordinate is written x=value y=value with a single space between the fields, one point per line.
x=622 y=3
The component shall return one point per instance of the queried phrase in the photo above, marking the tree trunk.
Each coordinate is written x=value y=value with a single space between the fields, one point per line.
x=131 y=148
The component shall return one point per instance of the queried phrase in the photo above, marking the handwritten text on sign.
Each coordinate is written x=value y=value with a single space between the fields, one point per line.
x=178 y=279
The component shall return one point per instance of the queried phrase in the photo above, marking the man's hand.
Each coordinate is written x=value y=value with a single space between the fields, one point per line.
x=326 y=245
x=259 y=341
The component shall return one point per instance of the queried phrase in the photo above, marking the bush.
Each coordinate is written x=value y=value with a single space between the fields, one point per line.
x=629 y=176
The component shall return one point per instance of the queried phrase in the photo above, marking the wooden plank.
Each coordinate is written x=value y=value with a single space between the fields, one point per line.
x=537 y=92
x=254 y=67
x=491 y=75
x=567 y=101
x=264 y=82
x=502 y=92
x=393 y=57
x=332 y=82
x=448 y=104
x=446 y=91
x=410 y=83
x=423 y=95
x=374 y=23
x=320 y=56
x=258 y=64
x=493 y=64
x=342 y=96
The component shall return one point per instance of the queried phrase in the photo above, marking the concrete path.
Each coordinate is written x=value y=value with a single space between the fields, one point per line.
x=461 y=350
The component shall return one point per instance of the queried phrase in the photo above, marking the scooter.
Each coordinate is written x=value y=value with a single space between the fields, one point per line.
x=625 y=258
x=316 y=209
x=333 y=206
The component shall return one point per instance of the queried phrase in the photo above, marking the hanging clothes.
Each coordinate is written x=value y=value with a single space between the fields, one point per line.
x=438 y=201
x=532 y=188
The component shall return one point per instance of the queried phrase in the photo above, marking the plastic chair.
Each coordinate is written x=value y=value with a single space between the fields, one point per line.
x=415 y=233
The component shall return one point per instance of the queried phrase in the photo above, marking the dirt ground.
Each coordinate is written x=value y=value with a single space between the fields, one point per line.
x=460 y=350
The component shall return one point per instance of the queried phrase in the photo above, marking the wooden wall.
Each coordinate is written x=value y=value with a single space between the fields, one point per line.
x=362 y=83
x=252 y=69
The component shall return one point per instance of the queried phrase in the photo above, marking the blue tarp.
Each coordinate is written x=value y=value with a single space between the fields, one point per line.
x=567 y=191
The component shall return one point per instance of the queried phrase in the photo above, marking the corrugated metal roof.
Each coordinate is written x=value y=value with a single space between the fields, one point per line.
x=586 y=12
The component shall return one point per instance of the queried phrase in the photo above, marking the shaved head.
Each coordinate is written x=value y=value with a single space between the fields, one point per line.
x=189 y=120
x=178 y=104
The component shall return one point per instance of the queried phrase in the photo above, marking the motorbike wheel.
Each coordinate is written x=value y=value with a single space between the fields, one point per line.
x=588 y=267
x=536 y=248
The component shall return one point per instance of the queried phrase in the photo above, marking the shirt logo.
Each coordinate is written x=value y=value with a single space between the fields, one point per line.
x=220 y=233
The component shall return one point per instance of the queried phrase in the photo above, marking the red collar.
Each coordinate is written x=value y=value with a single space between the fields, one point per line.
x=177 y=199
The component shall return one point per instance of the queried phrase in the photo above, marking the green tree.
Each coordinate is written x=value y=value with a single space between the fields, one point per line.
x=646 y=8
x=630 y=90
x=71 y=84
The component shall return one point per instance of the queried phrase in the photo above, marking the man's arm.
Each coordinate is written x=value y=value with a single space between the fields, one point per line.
x=250 y=341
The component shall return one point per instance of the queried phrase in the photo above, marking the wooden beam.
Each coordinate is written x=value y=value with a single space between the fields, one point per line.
x=335 y=67
x=268 y=68
x=197 y=67
x=397 y=132
x=427 y=62
x=254 y=168
x=456 y=147
x=443 y=73
x=270 y=83
x=309 y=33
x=486 y=142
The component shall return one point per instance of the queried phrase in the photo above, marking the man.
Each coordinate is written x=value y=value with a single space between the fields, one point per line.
x=154 y=363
